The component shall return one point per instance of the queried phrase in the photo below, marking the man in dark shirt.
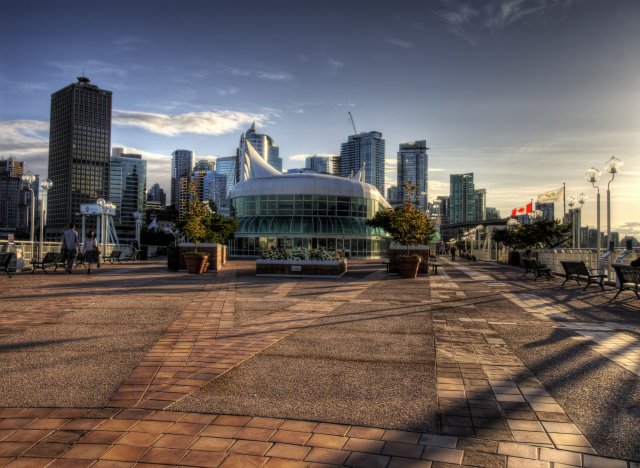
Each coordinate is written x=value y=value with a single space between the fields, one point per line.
x=69 y=246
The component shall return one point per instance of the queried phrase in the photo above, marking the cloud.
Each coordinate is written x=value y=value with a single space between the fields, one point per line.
x=259 y=73
x=302 y=157
x=128 y=43
x=506 y=12
x=458 y=20
x=201 y=123
x=399 y=43
x=23 y=86
x=436 y=169
x=89 y=68
x=334 y=66
x=26 y=140
x=229 y=90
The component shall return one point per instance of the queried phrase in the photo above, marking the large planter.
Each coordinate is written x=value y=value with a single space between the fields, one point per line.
x=216 y=253
x=301 y=268
x=408 y=266
x=196 y=263
x=398 y=251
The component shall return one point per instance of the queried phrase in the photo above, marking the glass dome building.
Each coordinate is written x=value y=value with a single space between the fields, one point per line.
x=276 y=210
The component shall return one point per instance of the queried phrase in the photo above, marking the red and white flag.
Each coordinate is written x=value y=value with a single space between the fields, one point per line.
x=528 y=208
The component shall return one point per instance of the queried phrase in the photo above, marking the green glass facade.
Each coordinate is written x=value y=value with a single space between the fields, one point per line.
x=314 y=221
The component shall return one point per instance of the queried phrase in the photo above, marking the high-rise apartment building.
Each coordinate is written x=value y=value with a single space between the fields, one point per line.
x=204 y=165
x=324 y=164
x=368 y=149
x=413 y=166
x=157 y=195
x=79 y=149
x=127 y=190
x=443 y=201
x=265 y=146
x=492 y=213
x=547 y=210
x=461 y=198
x=393 y=195
x=227 y=166
x=480 y=205
x=11 y=171
x=215 y=189
x=181 y=166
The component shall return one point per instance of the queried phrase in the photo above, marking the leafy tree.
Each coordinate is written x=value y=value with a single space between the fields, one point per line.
x=406 y=224
x=546 y=233
x=194 y=226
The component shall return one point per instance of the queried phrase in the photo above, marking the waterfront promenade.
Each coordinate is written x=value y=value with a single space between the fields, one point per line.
x=135 y=365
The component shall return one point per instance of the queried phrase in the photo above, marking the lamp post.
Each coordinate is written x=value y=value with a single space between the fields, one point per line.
x=593 y=175
x=101 y=202
x=29 y=179
x=571 y=201
x=45 y=186
x=582 y=199
x=612 y=166
x=479 y=229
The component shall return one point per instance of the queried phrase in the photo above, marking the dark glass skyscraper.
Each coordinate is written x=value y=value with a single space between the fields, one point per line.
x=79 y=150
x=461 y=202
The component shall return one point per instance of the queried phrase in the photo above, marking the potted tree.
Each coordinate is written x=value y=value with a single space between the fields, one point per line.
x=408 y=226
x=195 y=229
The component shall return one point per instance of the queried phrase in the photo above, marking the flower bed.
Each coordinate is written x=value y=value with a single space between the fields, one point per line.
x=302 y=262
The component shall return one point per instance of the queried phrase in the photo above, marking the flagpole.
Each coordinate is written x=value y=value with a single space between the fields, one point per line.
x=564 y=202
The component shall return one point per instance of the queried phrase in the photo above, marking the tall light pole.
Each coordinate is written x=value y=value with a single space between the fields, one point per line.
x=45 y=186
x=572 y=201
x=582 y=199
x=593 y=175
x=612 y=166
x=101 y=202
x=29 y=179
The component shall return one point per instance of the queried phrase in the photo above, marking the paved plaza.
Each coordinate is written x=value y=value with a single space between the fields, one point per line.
x=138 y=366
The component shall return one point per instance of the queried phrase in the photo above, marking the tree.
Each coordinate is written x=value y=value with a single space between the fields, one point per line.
x=546 y=233
x=220 y=228
x=406 y=224
x=194 y=226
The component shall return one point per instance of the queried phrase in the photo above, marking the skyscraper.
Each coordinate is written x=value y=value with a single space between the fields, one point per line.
x=79 y=143
x=181 y=166
x=215 y=189
x=393 y=196
x=157 y=194
x=413 y=164
x=127 y=190
x=204 y=165
x=227 y=166
x=323 y=164
x=367 y=148
x=11 y=171
x=461 y=198
x=480 y=204
x=547 y=210
x=265 y=146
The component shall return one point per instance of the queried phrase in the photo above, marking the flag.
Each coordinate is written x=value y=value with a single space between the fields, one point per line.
x=529 y=207
x=513 y=212
x=551 y=196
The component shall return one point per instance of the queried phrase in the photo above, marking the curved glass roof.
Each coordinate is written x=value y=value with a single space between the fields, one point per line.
x=306 y=225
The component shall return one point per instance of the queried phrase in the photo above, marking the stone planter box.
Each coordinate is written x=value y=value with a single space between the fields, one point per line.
x=423 y=251
x=217 y=254
x=301 y=268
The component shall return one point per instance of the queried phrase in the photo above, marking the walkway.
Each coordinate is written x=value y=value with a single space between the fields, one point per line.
x=136 y=365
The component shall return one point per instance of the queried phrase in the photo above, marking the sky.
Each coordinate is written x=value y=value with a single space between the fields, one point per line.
x=525 y=94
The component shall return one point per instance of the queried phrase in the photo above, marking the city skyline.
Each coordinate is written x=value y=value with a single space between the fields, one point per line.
x=526 y=95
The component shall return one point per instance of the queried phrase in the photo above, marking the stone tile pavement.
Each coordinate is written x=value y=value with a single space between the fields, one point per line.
x=493 y=410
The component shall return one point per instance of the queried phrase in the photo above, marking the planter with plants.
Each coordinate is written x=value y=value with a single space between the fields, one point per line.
x=301 y=262
x=408 y=226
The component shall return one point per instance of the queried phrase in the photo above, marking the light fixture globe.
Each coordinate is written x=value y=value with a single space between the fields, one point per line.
x=46 y=184
x=101 y=202
x=582 y=199
x=539 y=213
x=592 y=175
x=571 y=201
x=613 y=165
x=513 y=223
x=28 y=178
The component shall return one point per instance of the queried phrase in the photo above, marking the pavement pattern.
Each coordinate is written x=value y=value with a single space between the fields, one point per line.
x=137 y=366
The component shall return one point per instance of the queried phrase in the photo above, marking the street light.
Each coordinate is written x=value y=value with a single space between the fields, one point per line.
x=612 y=166
x=479 y=229
x=582 y=199
x=593 y=175
x=29 y=179
x=571 y=201
x=45 y=186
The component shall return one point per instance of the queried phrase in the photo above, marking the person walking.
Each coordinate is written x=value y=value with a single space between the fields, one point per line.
x=69 y=246
x=453 y=253
x=90 y=251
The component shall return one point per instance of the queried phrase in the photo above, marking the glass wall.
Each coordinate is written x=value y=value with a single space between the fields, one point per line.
x=300 y=205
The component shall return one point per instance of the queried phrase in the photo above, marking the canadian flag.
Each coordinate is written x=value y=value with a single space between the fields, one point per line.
x=528 y=208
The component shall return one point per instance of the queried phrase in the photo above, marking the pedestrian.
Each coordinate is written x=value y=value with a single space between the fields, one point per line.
x=69 y=246
x=91 y=254
x=453 y=253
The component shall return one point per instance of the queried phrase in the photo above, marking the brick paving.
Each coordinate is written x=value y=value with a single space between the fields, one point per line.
x=493 y=410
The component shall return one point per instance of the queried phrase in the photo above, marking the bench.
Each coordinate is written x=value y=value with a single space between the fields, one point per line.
x=113 y=257
x=135 y=255
x=51 y=259
x=5 y=259
x=577 y=270
x=532 y=266
x=434 y=267
x=628 y=279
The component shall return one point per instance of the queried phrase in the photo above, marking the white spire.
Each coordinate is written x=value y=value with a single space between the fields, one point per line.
x=252 y=165
x=360 y=174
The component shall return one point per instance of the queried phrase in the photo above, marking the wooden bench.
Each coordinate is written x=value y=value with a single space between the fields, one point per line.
x=5 y=259
x=51 y=259
x=577 y=270
x=434 y=267
x=628 y=279
x=534 y=267
x=113 y=257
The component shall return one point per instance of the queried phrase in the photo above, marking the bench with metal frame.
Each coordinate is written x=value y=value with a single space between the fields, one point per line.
x=628 y=279
x=538 y=270
x=5 y=260
x=51 y=259
x=135 y=255
x=114 y=256
x=577 y=270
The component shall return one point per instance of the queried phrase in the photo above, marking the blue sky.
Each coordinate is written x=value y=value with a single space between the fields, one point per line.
x=525 y=94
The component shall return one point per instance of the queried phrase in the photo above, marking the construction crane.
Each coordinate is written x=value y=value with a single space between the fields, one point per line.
x=355 y=132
